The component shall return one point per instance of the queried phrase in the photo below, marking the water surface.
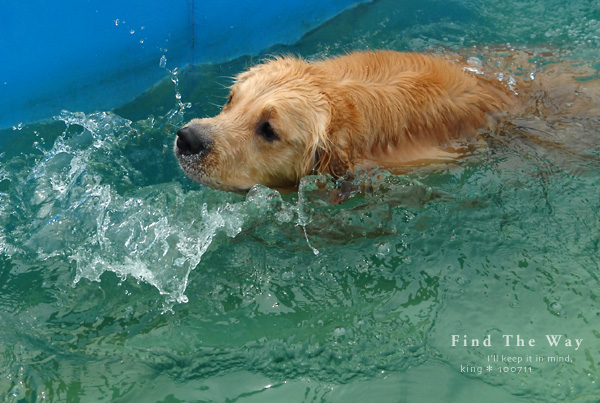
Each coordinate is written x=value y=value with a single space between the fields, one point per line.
x=122 y=280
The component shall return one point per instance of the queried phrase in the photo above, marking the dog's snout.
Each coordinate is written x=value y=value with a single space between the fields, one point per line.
x=190 y=142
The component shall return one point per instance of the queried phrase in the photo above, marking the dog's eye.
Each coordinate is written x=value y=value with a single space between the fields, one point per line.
x=265 y=130
x=229 y=97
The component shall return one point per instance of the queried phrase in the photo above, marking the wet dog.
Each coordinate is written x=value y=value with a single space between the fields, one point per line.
x=287 y=118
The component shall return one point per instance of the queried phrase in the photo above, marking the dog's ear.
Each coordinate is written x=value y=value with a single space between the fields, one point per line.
x=341 y=140
x=329 y=147
x=332 y=158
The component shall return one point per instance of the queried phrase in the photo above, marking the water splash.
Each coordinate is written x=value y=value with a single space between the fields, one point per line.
x=82 y=200
x=5 y=247
x=175 y=80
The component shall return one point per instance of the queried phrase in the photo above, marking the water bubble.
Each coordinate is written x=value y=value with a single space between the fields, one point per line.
x=383 y=249
x=557 y=308
x=117 y=22
x=18 y=126
x=283 y=216
x=474 y=65
x=339 y=332
x=132 y=31
x=474 y=61
x=512 y=83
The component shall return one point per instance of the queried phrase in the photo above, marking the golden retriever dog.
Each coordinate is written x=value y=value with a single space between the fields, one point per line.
x=288 y=118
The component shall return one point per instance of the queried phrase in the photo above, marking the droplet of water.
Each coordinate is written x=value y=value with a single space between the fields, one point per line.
x=163 y=61
x=117 y=22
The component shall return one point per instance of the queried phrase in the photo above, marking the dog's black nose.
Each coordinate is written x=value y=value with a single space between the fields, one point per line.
x=189 y=142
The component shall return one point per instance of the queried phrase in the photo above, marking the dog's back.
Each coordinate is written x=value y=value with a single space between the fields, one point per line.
x=405 y=106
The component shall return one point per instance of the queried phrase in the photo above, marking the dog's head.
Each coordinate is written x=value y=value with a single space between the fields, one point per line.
x=270 y=131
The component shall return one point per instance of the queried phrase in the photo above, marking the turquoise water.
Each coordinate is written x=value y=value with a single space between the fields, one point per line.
x=121 y=280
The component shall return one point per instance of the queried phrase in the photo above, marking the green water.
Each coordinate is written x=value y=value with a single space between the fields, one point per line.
x=121 y=280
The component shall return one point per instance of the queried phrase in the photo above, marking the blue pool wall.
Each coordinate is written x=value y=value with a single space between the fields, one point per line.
x=84 y=55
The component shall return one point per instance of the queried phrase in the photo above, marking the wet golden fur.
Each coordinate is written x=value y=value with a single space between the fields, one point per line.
x=288 y=118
